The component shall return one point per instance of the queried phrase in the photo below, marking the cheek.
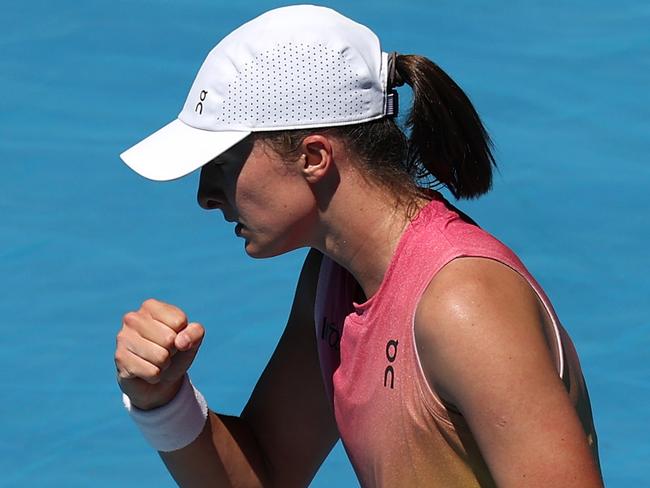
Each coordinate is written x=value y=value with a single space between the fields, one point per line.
x=273 y=192
x=294 y=203
x=283 y=219
x=252 y=197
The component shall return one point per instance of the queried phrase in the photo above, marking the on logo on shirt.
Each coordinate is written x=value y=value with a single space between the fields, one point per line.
x=391 y=355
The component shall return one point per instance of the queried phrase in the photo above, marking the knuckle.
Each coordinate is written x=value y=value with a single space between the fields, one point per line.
x=162 y=357
x=122 y=366
x=120 y=338
x=123 y=342
x=178 y=319
x=119 y=349
x=150 y=303
x=164 y=367
x=129 y=318
x=124 y=374
x=118 y=358
x=168 y=341
x=152 y=375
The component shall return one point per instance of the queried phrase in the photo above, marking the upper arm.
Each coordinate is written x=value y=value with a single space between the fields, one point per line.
x=480 y=338
x=288 y=410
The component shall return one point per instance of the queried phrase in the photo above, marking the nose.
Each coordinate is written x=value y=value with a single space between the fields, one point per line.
x=209 y=196
x=209 y=203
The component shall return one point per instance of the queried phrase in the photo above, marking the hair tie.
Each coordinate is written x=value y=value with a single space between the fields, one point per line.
x=394 y=78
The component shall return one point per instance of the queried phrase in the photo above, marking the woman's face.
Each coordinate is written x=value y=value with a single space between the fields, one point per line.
x=266 y=196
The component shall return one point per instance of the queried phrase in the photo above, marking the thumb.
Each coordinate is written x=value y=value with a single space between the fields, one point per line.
x=187 y=344
x=190 y=337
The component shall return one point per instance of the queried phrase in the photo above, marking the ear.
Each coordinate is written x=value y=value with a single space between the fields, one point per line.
x=317 y=157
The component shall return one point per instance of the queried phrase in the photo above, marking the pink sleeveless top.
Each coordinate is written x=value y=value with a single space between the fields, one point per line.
x=396 y=430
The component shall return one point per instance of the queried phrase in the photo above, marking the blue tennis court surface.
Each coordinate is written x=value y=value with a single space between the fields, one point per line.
x=563 y=88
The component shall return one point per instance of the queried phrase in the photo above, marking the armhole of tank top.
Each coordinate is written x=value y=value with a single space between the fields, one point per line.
x=558 y=348
x=432 y=402
x=436 y=405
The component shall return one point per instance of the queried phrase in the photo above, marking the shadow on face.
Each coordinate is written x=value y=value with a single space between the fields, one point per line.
x=210 y=191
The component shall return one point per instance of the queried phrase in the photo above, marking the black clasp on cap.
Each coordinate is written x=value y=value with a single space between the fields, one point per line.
x=392 y=103
x=394 y=80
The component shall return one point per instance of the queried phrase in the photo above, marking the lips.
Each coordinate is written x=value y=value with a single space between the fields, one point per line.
x=238 y=229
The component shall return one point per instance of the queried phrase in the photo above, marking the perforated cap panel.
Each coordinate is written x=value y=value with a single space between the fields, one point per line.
x=322 y=92
x=280 y=72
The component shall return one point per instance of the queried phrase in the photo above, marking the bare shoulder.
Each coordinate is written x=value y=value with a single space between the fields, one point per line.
x=478 y=277
x=479 y=335
x=477 y=310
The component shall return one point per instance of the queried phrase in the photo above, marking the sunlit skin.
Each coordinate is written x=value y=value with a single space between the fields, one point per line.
x=319 y=200
x=477 y=327
x=265 y=196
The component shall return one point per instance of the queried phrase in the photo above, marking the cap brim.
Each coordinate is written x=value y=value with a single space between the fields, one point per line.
x=178 y=149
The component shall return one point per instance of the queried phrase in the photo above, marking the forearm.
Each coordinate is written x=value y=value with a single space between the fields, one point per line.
x=225 y=454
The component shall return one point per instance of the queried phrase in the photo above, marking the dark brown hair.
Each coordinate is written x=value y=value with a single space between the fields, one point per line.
x=446 y=144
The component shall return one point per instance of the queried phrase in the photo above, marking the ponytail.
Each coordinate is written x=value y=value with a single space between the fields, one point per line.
x=446 y=137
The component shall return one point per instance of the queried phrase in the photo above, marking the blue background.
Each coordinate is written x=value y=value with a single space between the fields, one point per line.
x=562 y=87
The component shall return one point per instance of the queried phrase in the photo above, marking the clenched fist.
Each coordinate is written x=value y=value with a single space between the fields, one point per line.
x=155 y=348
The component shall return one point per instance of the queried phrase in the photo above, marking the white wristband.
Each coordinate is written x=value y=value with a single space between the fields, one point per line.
x=174 y=425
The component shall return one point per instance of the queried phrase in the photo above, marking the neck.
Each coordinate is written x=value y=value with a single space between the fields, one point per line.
x=361 y=229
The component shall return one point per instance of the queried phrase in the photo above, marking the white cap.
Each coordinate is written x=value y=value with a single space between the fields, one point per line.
x=293 y=67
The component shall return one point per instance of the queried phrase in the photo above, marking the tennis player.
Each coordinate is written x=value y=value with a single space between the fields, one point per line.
x=416 y=337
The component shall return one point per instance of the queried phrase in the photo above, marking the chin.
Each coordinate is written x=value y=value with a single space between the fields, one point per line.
x=262 y=252
x=258 y=252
